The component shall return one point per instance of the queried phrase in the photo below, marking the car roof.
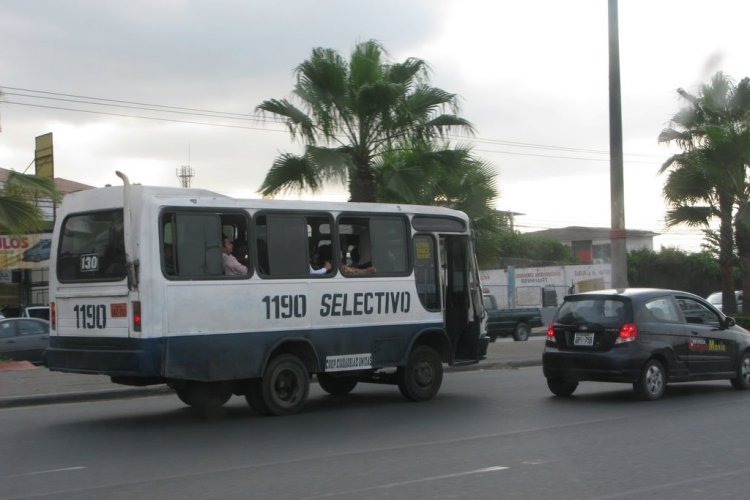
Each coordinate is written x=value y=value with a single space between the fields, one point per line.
x=633 y=293
x=23 y=318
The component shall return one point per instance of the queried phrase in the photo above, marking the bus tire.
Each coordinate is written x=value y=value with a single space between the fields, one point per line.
x=254 y=397
x=285 y=385
x=422 y=376
x=336 y=386
x=204 y=395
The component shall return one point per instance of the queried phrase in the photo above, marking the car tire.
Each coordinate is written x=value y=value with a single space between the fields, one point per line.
x=653 y=381
x=742 y=381
x=521 y=332
x=422 y=376
x=336 y=386
x=561 y=388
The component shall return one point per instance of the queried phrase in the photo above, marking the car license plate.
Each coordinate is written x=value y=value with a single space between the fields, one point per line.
x=584 y=339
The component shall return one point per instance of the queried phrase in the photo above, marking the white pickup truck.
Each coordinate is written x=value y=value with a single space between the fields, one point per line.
x=41 y=312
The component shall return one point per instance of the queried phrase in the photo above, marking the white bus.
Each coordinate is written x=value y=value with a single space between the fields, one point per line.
x=138 y=291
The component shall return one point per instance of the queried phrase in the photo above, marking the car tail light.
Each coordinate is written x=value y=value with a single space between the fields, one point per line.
x=628 y=333
x=53 y=316
x=137 y=316
x=551 y=333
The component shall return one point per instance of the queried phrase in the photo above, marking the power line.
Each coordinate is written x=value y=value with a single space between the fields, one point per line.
x=160 y=108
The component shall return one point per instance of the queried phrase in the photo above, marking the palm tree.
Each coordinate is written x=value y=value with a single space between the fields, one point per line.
x=433 y=174
x=708 y=179
x=18 y=211
x=351 y=113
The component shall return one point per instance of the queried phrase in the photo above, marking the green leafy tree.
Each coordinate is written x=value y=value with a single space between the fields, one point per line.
x=431 y=174
x=707 y=180
x=353 y=112
x=672 y=268
x=18 y=211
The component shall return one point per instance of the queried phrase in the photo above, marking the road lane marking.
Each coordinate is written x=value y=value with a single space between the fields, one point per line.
x=412 y=481
x=50 y=471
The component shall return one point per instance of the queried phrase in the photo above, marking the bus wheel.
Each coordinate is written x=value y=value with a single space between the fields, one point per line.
x=254 y=397
x=285 y=385
x=204 y=395
x=336 y=386
x=420 y=379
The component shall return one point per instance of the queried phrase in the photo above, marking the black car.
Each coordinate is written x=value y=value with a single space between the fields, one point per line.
x=24 y=339
x=647 y=337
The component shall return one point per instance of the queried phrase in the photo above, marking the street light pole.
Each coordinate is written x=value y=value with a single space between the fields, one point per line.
x=616 y=183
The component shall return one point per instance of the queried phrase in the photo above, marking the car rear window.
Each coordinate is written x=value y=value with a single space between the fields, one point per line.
x=596 y=310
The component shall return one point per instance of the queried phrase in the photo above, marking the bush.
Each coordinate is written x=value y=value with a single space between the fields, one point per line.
x=672 y=268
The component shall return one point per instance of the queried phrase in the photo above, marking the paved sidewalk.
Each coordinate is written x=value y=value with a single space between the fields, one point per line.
x=29 y=385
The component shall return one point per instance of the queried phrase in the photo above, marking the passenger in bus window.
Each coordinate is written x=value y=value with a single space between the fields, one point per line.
x=232 y=266
x=356 y=266
x=322 y=260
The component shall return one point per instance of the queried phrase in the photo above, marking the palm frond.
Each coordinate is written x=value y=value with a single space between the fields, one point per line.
x=297 y=121
x=18 y=216
x=32 y=186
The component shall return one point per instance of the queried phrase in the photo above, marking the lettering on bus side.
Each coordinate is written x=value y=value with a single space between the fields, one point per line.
x=285 y=306
x=364 y=303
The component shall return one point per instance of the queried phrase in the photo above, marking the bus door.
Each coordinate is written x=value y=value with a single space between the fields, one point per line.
x=461 y=313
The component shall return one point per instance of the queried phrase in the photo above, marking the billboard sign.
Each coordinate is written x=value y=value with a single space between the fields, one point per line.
x=27 y=251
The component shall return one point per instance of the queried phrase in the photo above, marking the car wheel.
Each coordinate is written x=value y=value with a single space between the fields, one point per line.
x=742 y=381
x=521 y=332
x=561 y=388
x=285 y=385
x=336 y=386
x=422 y=376
x=652 y=382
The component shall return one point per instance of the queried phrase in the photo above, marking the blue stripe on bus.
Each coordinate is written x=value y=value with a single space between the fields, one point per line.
x=226 y=356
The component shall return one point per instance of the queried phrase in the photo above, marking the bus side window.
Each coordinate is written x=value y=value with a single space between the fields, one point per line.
x=378 y=244
x=286 y=241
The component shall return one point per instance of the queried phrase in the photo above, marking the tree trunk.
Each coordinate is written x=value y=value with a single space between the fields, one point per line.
x=362 y=182
x=742 y=237
x=726 y=256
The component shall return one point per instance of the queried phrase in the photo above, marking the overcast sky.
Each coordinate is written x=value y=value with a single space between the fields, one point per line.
x=532 y=76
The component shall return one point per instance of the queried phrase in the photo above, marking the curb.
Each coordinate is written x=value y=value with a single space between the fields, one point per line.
x=80 y=397
x=138 y=392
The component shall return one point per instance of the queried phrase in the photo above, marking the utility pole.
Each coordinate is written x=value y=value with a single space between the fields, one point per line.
x=616 y=184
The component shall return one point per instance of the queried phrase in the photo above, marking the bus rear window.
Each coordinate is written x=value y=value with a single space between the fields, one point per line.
x=92 y=247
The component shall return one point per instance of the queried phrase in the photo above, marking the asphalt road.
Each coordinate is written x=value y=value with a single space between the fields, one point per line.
x=489 y=434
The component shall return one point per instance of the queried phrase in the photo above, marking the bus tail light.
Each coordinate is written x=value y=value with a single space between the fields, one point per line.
x=137 y=316
x=53 y=316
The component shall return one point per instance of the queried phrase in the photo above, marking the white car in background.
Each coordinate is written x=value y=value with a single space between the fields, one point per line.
x=715 y=300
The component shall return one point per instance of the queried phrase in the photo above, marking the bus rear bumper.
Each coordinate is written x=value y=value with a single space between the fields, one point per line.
x=114 y=357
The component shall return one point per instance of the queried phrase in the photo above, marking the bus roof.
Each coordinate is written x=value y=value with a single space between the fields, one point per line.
x=112 y=197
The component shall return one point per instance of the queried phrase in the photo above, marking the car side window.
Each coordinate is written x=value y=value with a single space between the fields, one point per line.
x=7 y=330
x=30 y=327
x=662 y=309
x=697 y=313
